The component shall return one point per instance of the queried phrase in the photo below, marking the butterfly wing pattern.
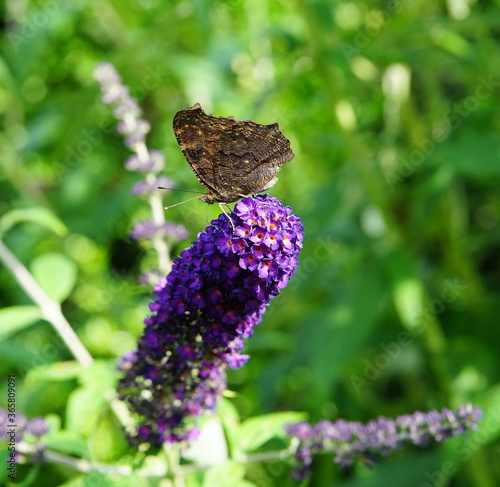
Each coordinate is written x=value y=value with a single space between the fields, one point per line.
x=231 y=158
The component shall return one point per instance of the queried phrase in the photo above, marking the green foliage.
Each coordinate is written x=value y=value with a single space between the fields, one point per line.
x=392 y=110
x=257 y=431
x=15 y=318
x=55 y=273
x=40 y=216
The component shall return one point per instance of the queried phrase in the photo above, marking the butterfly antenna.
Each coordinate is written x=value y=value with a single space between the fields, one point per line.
x=182 y=190
x=182 y=202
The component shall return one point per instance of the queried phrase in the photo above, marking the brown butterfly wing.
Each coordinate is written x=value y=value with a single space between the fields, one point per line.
x=231 y=158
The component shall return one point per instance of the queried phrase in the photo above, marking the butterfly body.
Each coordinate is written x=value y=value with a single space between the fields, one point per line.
x=231 y=158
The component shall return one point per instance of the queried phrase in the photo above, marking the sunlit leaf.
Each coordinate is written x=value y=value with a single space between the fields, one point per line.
x=40 y=216
x=56 y=274
x=16 y=318
x=256 y=431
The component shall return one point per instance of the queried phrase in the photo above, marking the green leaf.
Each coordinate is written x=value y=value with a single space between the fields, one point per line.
x=67 y=442
x=226 y=475
x=77 y=481
x=16 y=318
x=4 y=455
x=101 y=375
x=254 y=432
x=407 y=291
x=88 y=402
x=489 y=426
x=41 y=216
x=106 y=439
x=54 y=372
x=84 y=407
x=53 y=422
x=462 y=156
x=340 y=331
x=17 y=355
x=31 y=476
x=411 y=469
x=228 y=415
x=56 y=274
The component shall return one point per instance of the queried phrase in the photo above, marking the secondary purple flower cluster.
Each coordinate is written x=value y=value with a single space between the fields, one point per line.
x=147 y=162
x=215 y=295
x=351 y=441
x=127 y=110
x=147 y=229
x=16 y=429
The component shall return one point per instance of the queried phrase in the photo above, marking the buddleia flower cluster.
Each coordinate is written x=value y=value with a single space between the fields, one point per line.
x=352 y=441
x=212 y=299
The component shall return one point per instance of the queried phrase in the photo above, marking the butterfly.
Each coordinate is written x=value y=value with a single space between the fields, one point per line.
x=231 y=158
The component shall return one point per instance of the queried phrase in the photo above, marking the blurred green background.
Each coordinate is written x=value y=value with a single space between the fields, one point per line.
x=393 y=112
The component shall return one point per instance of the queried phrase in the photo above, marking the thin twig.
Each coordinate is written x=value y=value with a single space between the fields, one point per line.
x=51 y=310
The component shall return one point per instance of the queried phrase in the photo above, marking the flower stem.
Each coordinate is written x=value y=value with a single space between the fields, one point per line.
x=157 y=212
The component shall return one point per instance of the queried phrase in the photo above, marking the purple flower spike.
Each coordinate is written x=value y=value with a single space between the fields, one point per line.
x=149 y=162
x=148 y=229
x=351 y=441
x=126 y=108
x=155 y=162
x=37 y=427
x=26 y=430
x=145 y=188
x=215 y=295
